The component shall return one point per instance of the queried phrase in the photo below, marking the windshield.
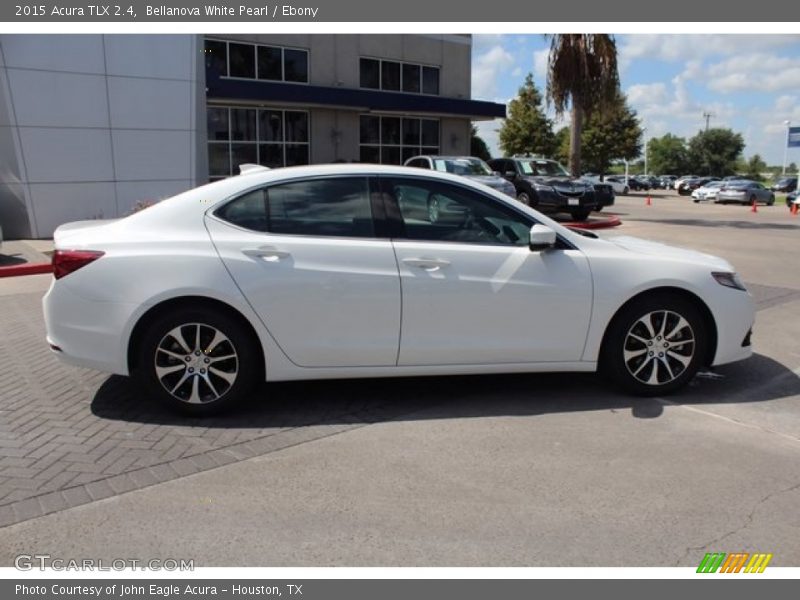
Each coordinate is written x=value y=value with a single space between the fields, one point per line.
x=462 y=166
x=543 y=167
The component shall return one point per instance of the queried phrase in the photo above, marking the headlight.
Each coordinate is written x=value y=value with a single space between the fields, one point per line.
x=730 y=280
x=543 y=188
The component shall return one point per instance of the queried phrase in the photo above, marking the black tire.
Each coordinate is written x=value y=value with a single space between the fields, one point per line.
x=626 y=190
x=681 y=358
x=524 y=198
x=580 y=215
x=230 y=368
x=771 y=200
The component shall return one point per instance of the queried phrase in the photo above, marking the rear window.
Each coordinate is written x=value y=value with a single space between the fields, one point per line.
x=320 y=207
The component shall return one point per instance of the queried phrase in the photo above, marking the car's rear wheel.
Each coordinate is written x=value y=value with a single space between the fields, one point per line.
x=655 y=345
x=580 y=215
x=771 y=200
x=626 y=190
x=198 y=361
x=524 y=198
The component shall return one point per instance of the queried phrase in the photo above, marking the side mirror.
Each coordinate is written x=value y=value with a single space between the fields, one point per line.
x=510 y=174
x=542 y=238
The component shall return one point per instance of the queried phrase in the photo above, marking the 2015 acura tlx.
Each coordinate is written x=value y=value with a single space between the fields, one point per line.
x=340 y=271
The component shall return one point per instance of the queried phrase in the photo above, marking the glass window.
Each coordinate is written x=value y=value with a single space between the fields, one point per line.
x=219 y=160
x=411 y=132
x=370 y=130
x=218 y=124
x=323 y=207
x=390 y=130
x=370 y=73
x=242 y=60
x=370 y=154
x=390 y=155
x=243 y=124
x=271 y=137
x=430 y=132
x=430 y=80
x=270 y=126
x=269 y=63
x=270 y=155
x=248 y=211
x=390 y=75
x=411 y=78
x=295 y=65
x=436 y=211
x=217 y=57
x=296 y=154
x=296 y=126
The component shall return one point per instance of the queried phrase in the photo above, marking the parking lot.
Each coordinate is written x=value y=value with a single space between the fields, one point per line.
x=523 y=470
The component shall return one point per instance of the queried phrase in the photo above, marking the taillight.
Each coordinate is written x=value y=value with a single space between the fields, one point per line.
x=67 y=261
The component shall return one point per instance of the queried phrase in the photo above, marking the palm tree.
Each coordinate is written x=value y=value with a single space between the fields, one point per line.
x=581 y=71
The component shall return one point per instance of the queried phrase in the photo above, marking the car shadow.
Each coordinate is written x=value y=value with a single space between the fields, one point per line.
x=306 y=403
x=9 y=260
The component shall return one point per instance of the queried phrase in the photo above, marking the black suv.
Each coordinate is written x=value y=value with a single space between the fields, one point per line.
x=546 y=185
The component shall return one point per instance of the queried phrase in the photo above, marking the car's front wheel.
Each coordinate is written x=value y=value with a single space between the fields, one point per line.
x=198 y=361
x=524 y=198
x=655 y=345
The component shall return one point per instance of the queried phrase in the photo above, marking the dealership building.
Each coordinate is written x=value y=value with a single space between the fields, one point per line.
x=91 y=125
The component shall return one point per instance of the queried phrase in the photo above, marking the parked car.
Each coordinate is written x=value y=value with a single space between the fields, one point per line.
x=689 y=185
x=792 y=199
x=639 y=183
x=665 y=181
x=466 y=166
x=676 y=184
x=707 y=191
x=744 y=191
x=301 y=273
x=785 y=185
x=617 y=184
x=546 y=185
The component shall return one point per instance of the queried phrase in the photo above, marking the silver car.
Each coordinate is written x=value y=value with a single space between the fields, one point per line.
x=744 y=191
x=466 y=166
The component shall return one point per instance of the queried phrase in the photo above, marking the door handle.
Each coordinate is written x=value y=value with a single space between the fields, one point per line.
x=266 y=253
x=427 y=264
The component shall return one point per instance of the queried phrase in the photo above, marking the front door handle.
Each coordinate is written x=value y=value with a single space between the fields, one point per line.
x=267 y=253
x=426 y=264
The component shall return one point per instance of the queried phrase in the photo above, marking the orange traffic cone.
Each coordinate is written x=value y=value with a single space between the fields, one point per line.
x=648 y=203
x=794 y=209
x=754 y=208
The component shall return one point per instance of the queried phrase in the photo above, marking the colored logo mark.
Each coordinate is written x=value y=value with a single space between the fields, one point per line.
x=737 y=562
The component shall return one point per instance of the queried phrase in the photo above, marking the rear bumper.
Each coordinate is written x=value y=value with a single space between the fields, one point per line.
x=86 y=333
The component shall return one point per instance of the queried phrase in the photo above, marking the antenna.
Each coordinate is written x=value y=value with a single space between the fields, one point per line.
x=707 y=116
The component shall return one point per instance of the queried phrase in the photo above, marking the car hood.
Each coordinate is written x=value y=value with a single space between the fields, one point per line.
x=562 y=183
x=648 y=247
x=490 y=180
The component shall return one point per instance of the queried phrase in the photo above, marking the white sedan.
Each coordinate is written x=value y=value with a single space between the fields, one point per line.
x=340 y=271
x=707 y=192
x=619 y=185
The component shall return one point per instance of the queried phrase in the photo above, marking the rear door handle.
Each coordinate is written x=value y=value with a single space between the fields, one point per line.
x=427 y=264
x=267 y=253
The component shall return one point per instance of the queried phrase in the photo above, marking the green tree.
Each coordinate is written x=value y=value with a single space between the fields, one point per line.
x=715 y=152
x=478 y=147
x=668 y=155
x=792 y=168
x=562 y=146
x=611 y=134
x=527 y=130
x=755 y=166
x=582 y=73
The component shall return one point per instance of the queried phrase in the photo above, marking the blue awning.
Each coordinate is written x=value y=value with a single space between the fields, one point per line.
x=222 y=89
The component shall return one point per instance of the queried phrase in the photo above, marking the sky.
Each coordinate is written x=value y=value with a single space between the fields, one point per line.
x=749 y=83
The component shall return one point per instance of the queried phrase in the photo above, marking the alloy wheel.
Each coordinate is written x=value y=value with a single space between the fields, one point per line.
x=658 y=347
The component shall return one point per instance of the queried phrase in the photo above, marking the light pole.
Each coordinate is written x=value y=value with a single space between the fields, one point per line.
x=644 y=132
x=786 y=146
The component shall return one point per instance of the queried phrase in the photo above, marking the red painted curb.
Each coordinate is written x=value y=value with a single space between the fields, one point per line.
x=596 y=224
x=26 y=269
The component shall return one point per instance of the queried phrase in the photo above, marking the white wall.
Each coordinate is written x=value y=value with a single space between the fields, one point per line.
x=91 y=124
